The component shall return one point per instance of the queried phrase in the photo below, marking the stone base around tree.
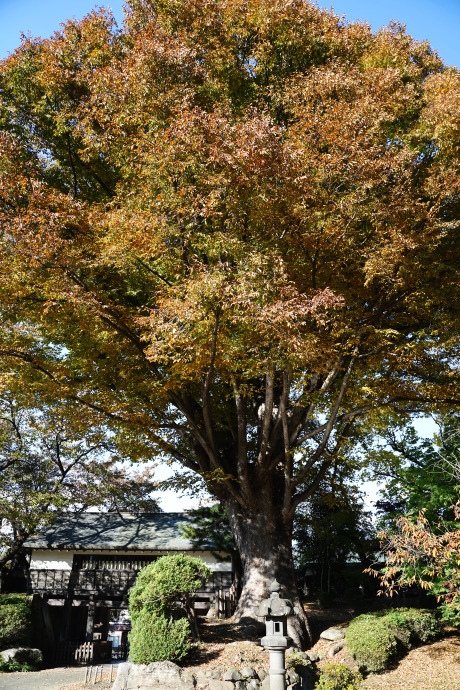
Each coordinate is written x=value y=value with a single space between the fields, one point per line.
x=166 y=675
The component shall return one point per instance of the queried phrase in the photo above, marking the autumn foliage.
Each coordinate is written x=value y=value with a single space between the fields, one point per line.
x=418 y=553
x=231 y=228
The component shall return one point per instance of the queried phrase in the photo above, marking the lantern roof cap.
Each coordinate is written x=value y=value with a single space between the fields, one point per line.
x=275 y=605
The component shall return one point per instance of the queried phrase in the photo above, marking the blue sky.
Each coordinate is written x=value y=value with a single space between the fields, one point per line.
x=435 y=20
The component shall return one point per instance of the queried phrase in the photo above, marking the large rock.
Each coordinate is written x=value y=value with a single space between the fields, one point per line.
x=232 y=674
x=23 y=655
x=332 y=634
x=162 y=675
x=252 y=684
x=335 y=649
x=221 y=685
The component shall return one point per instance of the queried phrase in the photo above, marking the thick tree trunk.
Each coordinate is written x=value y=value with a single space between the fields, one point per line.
x=264 y=543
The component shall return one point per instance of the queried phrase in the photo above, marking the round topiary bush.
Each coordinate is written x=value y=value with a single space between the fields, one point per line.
x=166 y=581
x=372 y=642
x=338 y=677
x=156 y=638
x=422 y=624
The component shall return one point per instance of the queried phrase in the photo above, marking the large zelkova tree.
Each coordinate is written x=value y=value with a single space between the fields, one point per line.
x=231 y=227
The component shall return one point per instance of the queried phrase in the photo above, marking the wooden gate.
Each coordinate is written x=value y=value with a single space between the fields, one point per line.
x=70 y=653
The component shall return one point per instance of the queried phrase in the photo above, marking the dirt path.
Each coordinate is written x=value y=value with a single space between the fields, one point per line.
x=52 y=679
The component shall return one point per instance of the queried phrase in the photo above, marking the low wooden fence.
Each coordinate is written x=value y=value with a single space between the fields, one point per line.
x=225 y=601
x=71 y=653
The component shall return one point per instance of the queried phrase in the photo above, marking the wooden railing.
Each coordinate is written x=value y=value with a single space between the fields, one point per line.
x=117 y=583
x=99 y=582
x=103 y=582
x=70 y=653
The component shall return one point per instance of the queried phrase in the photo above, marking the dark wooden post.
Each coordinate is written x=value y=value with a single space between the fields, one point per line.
x=65 y=621
x=48 y=624
x=90 y=620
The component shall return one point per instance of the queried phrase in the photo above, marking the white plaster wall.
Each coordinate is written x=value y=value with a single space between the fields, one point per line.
x=212 y=562
x=51 y=560
x=62 y=560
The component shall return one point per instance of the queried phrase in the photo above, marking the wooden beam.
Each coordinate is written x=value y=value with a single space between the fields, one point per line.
x=90 y=620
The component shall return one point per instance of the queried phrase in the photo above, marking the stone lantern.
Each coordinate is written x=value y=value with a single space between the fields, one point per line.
x=275 y=611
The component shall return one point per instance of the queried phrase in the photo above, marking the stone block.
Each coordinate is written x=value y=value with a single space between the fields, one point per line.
x=332 y=634
x=221 y=685
x=202 y=680
x=232 y=674
x=163 y=675
x=335 y=649
x=292 y=677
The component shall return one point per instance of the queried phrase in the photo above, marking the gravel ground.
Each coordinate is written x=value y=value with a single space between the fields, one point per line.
x=53 y=679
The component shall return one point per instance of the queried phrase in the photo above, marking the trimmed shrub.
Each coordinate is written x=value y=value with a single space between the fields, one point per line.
x=166 y=581
x=338 y=677
x=155 y=638
x=13 y=666
x=372 y=642
x=159 y=602
x=15 y=620
x=374 y=639
x=422 y=623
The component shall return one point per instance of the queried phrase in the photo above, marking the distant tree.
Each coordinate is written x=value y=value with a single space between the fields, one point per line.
x=48 y=467
x=332 y=529
x=422 y=546
x=416 y=472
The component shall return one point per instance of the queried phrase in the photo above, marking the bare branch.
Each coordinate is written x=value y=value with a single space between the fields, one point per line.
x=268 y=411
x=242 y=450
x=205 y=386
x=329 y=426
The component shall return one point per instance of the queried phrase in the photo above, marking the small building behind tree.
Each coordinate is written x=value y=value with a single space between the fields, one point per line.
x=82 y=568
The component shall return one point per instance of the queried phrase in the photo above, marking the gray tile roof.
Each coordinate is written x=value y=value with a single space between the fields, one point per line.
x=117 y=531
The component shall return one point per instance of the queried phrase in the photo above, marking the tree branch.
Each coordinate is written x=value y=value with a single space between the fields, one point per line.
x=328 y=427
x=242 y=441
x=267 y=420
